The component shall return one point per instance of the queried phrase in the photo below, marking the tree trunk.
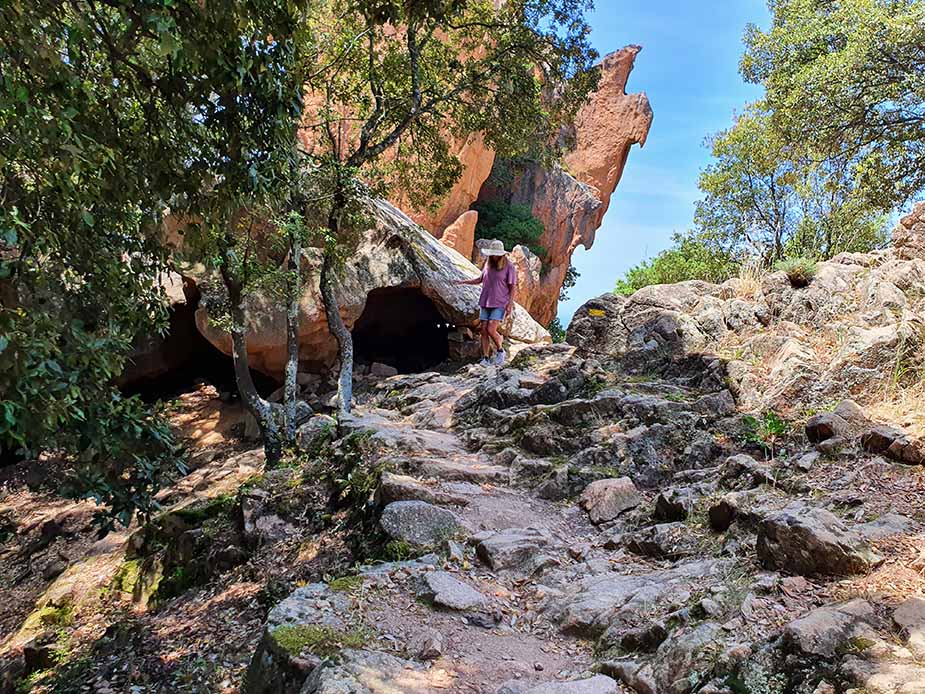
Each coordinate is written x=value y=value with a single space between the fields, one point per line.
x=293 y=287
x=262 y=410
x=341 y=334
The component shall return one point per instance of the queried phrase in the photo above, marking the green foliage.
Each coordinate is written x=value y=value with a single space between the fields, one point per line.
x=199 y=513
x=571 y=279
x=846 y=80
x=109 y=114
x=691 y=258
x=800 y=271
x=400 y=550
x=765 y=431
x=556 y=330
x=56 y=615
x=83 y=179
x=345 y=584
x=511 y=223
x=764 y=198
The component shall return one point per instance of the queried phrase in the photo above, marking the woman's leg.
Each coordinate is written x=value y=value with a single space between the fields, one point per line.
x=494 y=335
x=486 y=340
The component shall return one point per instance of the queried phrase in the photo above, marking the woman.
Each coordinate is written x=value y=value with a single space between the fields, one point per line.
x=496 y=302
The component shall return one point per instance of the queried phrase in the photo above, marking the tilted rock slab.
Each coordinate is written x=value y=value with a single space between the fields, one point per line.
x=448 y=591
x=394 y=252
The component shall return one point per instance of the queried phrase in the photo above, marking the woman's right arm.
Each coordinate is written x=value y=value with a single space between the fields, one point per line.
x=475 y=281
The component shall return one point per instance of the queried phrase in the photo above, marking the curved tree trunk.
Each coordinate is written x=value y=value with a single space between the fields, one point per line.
x=341 y=334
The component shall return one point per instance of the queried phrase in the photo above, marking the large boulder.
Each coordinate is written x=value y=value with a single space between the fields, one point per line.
x=393 y=253
x=366 y=672
x=894 y=444
x=812 y=541
x=597 y=327
x=310 y=618
x=445 y=590
x=598 y=684
x=823 y=632
x=521 y=550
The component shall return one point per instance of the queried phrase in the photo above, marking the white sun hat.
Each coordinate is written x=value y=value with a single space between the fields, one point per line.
x=494 y=248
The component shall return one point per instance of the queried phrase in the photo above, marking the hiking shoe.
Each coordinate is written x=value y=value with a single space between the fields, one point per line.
x=500 y=356
x=485 y=362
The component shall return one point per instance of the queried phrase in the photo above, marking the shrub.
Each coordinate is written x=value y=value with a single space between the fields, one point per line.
x=691 y=258
x=801 y=271
x=511 y=223
x=556 y=330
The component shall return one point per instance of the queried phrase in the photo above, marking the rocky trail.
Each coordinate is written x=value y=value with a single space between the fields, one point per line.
x=559 y=573
x=711 y=488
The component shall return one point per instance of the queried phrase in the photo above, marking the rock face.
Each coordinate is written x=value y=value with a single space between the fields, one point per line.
x=909 y=237
x=394 y=253
x=571 y=201
x=448 y=591
x=363 y=671
x=604 y=500
x=460 y=235
x=476 y=160
x=858 y=324
x=280 y=664
x=824 y=630
x=894 y=444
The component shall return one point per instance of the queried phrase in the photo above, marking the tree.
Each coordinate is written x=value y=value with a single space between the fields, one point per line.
x=846 y=79
x=81 y=181
x=690 y=258
x=401 y=79
x=111 y=113
x=766 y=198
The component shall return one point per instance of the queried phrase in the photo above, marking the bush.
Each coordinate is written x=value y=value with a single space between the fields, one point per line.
x=556 y=330
x=801 y=271
x=511 y=223
x=690 y=258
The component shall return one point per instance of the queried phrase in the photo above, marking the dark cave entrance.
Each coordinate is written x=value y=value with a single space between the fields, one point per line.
x=402 y=328
x=164 y=367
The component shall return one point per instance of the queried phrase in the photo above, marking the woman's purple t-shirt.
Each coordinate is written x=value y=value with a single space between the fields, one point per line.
x=497 y=286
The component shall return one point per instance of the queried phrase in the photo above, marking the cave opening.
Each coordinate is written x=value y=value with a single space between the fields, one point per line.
x=402 y=328
x=164 y=367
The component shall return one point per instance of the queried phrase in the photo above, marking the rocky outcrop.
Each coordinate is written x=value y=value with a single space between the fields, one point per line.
x=571 y=200
x=460 y=235
x=909 y=237
x=606 y=128
x=812 y=541
x=393 y=253
x=858 y=325
x=476 y=160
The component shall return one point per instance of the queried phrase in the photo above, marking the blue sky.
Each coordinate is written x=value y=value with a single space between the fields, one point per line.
x=688 y=67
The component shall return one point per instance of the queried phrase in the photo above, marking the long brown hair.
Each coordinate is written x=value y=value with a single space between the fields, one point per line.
x=497 y=262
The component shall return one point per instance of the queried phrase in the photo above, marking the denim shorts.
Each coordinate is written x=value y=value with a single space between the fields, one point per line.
x=491 y=314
